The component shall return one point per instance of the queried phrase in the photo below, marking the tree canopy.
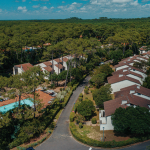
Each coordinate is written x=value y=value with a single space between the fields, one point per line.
x=86 y=108
x=135 y=121
x=101 y=95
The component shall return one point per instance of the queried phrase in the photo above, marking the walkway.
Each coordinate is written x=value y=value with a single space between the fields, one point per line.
x=61 y=138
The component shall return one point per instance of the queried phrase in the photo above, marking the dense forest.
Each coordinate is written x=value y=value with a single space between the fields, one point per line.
x=125 y=35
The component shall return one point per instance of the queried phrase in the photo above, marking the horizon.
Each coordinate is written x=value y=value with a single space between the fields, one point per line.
x=85 y=9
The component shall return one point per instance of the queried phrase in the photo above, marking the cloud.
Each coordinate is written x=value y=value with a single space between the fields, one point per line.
x=121 y=1
x=23 y=0
x=23 y=9
x=36 y=6
x=135 y=3
x=145 y=0
x=35 y=0
x=52 y=7
x=45 y=0
x=63 y=1
x=44 y=7
x=0 y=10
x=16 y=1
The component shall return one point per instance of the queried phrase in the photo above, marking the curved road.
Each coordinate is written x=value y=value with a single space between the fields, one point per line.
x=61 y=138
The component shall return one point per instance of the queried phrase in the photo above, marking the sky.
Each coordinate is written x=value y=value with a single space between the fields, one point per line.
x=85 y=9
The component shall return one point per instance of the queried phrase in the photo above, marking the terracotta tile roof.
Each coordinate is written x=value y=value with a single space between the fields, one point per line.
x=49 y=69
x=58 y=60
x=126 y=73
x=142 y=49
x=47 y=63
x=131 y=67
x=65 y=59
x=115 y=79
x=47 y=44
x=59 y=65
x=112 y=105
x=25 y=66
x=142 y=90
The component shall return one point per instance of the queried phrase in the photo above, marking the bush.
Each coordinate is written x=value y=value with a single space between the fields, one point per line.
x=107 y=144
x=72 y=116
x=92 y=91
x=86 y=91
x=86 y=98
x=80 y=99
x=77 y=121
x=94 y=121
x=80 y=125
x=80 y=95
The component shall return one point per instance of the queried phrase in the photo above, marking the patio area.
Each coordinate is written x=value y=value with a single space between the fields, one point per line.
x=42 y=96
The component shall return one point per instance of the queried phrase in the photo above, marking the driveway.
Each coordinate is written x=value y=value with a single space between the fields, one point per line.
x=61 y=138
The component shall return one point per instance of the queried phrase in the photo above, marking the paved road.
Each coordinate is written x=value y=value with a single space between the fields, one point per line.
x=61 y=138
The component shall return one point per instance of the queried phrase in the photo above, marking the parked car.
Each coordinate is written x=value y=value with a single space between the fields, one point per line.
x=54 y=94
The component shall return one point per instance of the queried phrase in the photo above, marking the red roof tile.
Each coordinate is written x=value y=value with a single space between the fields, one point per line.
x=112 y=105
x=59 y=65
x=24 y=66
x=65 y=59
x=115 y=79
x=49 y=69
x=126 y=72
x=47 y=44
x=58 y=60
x=47 y=63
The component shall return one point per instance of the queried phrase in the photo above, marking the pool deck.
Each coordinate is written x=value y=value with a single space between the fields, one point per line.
x=42 y=96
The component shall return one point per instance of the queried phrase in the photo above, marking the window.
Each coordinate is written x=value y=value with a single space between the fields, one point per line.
x=16 y=71
x=133 y=69
x=139 y=93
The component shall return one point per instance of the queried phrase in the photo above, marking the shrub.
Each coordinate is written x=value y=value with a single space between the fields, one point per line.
x=92 y=91
x=72 y=115
x=86 y=91
x=86 y=87
x=77 y=121
x=80 y=95
x=61 y=89
x=94 y=121
x=80 y=99
x=80 y=125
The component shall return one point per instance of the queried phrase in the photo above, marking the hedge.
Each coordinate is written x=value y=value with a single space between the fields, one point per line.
x=107 y=144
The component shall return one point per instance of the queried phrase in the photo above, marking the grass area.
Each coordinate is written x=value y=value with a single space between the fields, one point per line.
x=58 y=114
x=94 y=132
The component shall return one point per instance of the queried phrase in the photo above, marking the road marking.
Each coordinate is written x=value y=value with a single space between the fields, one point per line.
x=90 y=148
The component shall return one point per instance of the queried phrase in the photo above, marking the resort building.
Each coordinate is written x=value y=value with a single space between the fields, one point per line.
x=18 y=69
x=130 y=96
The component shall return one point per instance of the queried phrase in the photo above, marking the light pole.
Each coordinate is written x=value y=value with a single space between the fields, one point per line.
x=103 y=134
x=74 y=107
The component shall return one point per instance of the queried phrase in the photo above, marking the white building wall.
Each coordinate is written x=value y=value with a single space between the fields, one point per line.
x=41 y=65
x=122 y=84
x=65 y=65
x=121 y=67
x=142 y=59
x=138 y=72
x=137 y=61
x=56 y=69
x=135 y=77
x=143 y=96
x=131 y=64
x=20 y=71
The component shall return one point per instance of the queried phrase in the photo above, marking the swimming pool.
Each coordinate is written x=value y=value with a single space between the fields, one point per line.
x=8 y=107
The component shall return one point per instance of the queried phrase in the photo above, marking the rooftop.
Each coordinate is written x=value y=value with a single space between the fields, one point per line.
x=25 y=66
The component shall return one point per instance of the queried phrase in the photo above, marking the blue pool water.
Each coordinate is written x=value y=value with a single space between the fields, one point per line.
x=8 y=107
